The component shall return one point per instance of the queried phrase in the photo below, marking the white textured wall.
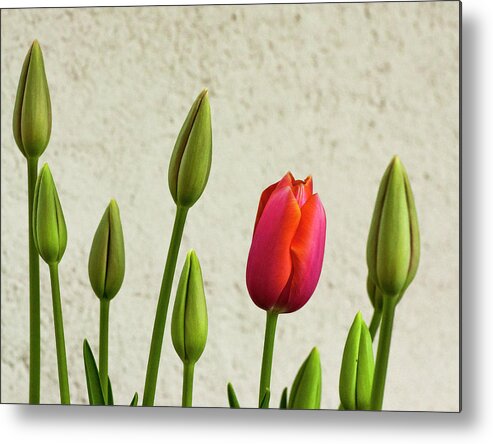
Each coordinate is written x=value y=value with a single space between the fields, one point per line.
x=328 y=90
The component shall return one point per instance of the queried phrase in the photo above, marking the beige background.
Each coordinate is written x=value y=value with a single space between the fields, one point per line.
x=328 y=90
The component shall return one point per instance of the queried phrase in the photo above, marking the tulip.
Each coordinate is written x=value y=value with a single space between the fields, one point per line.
x=107 y=256
x=392 y=256
x=190 y=162
x=189 y=319
x=31 y=125
x=188 y=173
x=50 y=239
x=286 y=256
x=49 y=229
x=287 y=250
x=189 y=322
x=32 y=111
x=357 y=368
x=306 y=391
x=393 y=241
x=106 y=272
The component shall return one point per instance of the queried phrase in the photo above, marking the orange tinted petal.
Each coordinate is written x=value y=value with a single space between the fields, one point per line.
x=269 y=261
x=307 y=253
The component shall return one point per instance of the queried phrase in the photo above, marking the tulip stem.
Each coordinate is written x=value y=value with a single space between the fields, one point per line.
x=186 y=398
x=162 y=307
x=59 y=335
x=34 y=298
x=375 y=322
x=270 y=334
x=104 y=320
x=383 y=352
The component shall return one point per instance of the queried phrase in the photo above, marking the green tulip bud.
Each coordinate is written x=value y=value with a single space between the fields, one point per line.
x=32 y=110
x=107 y=256
x=393 y=242
x=374 y=293
x=189 y=319
x=49 y=229
x=190 y=162
x=357 y=368
x=306 y=391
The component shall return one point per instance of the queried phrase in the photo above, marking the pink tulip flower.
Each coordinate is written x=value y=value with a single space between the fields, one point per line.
x=287 y=250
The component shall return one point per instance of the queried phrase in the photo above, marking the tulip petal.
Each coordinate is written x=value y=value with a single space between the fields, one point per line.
x=269 y=261
x=303 y=190
x=307 y=252
x=264 y=198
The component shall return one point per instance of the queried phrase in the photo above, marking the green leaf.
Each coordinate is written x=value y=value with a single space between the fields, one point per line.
x=284 y=399
x=233 y=400
x=92 y=377
x=264 y=404
x=110 y=393
x=135 y=400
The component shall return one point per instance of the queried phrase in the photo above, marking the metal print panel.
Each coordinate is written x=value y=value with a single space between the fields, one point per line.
x=251 y=206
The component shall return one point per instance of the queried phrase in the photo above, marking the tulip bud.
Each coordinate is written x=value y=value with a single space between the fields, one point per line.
x=32 y=110
x=107 y=256
x=393 y=242
x=374 y=293
x=49 y=229
x=189 y=320
x=357 y=368
x=190 y=162
x=306 y=391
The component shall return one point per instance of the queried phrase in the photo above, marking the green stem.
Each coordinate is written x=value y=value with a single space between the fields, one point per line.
x=375 y=322
x=162 y=307
x=34 y=299
x=270 y=334
x=186 y=398
x=104 y=318
x=383 y=352
x=59 y=336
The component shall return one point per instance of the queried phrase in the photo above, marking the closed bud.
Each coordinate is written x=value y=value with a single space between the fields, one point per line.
x=32 y=111
x=190 y=162
x=393 y=242
x=107 y=256
x=306 y=391
x=374 y=293
x=189 y=319
x=49 y=229
x=357 y=368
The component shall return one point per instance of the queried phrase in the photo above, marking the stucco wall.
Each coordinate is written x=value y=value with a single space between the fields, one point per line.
x=328 y=90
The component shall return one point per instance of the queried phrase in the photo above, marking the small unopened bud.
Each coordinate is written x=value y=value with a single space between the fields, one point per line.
x=190 y=162
x=306 y=391
x=49 y=229
x=357 y=368
x=393 y=242
x=189 y=319
x=32 y=111
x=107 y=256
x=374 y=294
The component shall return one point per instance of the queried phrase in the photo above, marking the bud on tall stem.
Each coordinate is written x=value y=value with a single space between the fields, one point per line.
x=392 y=257
x=189 y=322
x=106 y=273
x=31 y=125
x=188 y=173
x=50 y=238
